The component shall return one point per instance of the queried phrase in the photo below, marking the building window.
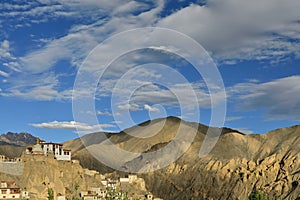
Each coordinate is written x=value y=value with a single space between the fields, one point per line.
x=3 y=191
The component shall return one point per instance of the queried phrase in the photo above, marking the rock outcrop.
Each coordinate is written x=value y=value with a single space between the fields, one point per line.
x=237 y=166
x=37 y=173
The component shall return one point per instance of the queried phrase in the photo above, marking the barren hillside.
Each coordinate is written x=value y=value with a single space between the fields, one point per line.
x=238 y=165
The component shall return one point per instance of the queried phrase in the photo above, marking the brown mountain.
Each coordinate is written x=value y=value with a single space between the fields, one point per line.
x=238 y=165
x=13 y=144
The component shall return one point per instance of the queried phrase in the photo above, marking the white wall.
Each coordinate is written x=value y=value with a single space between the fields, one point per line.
x=63 y=157
x=61 y=198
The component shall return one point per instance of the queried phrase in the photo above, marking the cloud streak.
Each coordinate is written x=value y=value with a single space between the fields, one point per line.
x=4 y=74
x=71 y=125
x=151 y=108
x=278 y=98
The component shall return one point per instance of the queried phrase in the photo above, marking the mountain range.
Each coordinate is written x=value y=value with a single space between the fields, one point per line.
x=13 y=144
x=238 y=166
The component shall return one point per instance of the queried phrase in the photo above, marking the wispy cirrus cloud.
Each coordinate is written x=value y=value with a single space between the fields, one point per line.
x=28 y=13
x=129 y=107
x=229 y=24
x=233 y=118
x=232 y=30
x=81 y=39
x=73 y=46
x=2 y=73
x=106 y=113
x=37 y=87
x=40 y=93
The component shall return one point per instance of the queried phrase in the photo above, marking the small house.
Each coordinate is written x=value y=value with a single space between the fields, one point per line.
x=9 y=190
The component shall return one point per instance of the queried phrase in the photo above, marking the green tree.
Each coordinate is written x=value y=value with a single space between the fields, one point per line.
x=75 y=192
x=50 y=194
x=76 y=187
x=256 y=195
x=114 y=194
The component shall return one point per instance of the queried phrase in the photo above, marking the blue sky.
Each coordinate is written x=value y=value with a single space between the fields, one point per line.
x=43 y=43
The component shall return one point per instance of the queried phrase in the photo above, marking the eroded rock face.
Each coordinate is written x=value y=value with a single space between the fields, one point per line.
x=273 y=169
x=238 y=165
x=42 y=172
x=231 y=179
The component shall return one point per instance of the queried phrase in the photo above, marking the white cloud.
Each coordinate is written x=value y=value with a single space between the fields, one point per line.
x=129 y=106
x=188 y=96
x=5 y=50
x=129 y=7
x=81 y=39
x=147 y=85
x=36 y=65
x=27 y=13
x=150 y=108
x=33 y=12
x=39 y=87
x=2 y=73
x=40 y=61
x=279 y=98
x=71 y=125
x=233 y=118
x=8 y=6
x=13 y=65
x=5 y=45
x=155 y=84
x=41 y=93
x=165 y=48
x=231 y=29
x=106 y=113
x=240 y=29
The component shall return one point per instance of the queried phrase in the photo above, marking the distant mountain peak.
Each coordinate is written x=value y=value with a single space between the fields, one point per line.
x=17 y=139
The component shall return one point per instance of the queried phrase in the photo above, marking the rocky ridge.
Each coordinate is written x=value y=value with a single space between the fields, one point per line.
x=237 y=166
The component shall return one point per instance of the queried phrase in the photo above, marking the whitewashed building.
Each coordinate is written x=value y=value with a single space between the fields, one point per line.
x=131 y=178
x=3 y=158
x=8 y=190
x=44 y=148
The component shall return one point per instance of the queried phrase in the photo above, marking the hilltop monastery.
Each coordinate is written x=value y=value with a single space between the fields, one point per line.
x=44 y=148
